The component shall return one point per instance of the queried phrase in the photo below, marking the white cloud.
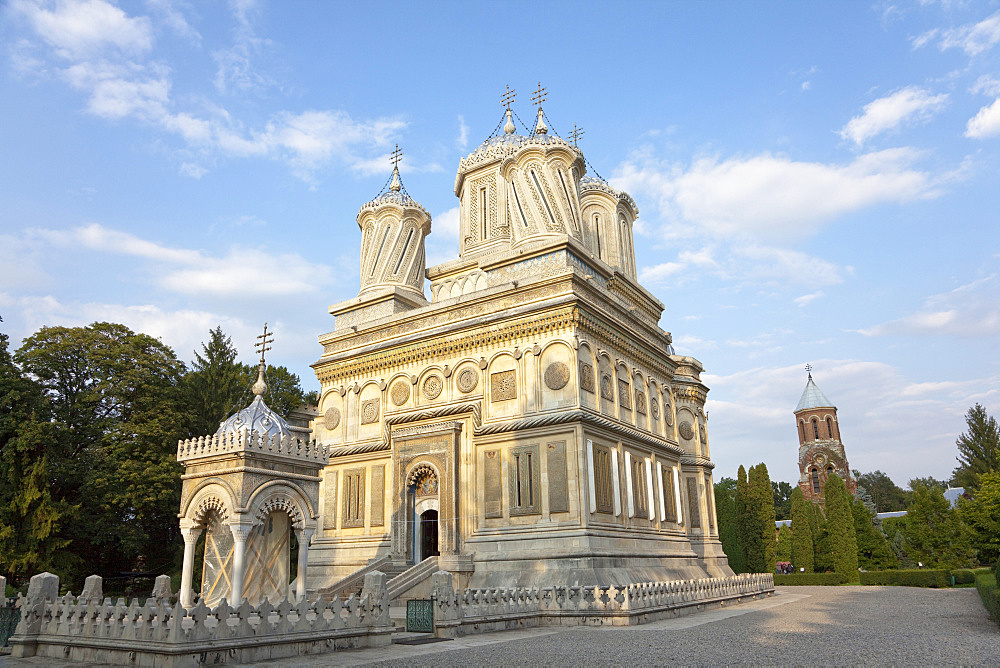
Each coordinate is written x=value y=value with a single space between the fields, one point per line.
x=906 y=106
x=236 y=66
x=969 y=311
x=903 y=426
x=804 y=300
x=986 y=123
x=79 y=28
x=771 y=197
x=985 y=85
x=103 y=53
x=973 y=38
x=240 y=273
x=169 y=15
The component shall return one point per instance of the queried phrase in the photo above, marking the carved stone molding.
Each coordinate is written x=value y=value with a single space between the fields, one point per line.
x=426 y=429
x=468 y=379
x=586 y=377
x=369 y=411
x=503 y=385
x=400 y=392
x=686 y=430
x=331 y=418
x=433 y=385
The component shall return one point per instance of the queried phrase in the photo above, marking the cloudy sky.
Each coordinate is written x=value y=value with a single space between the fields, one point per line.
x=817 y=182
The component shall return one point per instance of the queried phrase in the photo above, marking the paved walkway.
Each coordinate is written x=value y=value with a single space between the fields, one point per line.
x=799 y=625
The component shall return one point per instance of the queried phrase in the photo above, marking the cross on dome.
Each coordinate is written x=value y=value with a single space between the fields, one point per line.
x=260 y=387
x=576 y=134
x=396 y=156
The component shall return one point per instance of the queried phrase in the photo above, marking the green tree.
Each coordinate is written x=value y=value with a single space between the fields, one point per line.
x=216 y=383
x=744 y=521
x=725 y=507
x=117 y=407
x=874 y=551
x=935 y=534
x=978 y=448
x=784 y=548
x=885 y=494
x=33 y=514
x=284 y=390
x=982 y=515
x=822 y=551
x=782 y=500
x=765 y=516
x=802 y=532
x=840 y=526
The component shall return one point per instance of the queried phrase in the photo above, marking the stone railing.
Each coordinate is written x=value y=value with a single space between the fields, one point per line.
x=477 y=610
x=253 y=442
x=85 y=628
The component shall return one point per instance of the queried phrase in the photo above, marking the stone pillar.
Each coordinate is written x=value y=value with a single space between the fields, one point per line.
x=240 y=534
x=42 y=589
x=186 y=593
x=161 y=589
x=303 y=536
x=93 y=590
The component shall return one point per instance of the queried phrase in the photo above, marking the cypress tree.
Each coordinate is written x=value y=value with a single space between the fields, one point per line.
x=802 y=534
x=822 y=559
x=764 y=496
x=743 y=522
x=725 y=507
x=840 y=526
x=874 y=551
x=784 y=551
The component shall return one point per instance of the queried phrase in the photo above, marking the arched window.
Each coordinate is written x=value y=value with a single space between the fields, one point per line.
x=597 y=233
x=829 y=427
x=815 y=477
x=829 y=470
x=802 y=429
x=815 y=429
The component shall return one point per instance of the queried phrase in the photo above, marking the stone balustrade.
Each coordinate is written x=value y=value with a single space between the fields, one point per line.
x=252 y=442
x=476 y=610
x=157 y=633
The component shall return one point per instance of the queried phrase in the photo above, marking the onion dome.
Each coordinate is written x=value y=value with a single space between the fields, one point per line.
x=394 y=194
x=256 y=418
x=813 y=397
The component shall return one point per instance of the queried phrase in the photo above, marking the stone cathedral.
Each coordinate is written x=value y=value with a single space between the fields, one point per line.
x=527 y=422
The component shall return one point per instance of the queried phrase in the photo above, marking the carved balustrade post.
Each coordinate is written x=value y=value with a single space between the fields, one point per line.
x=190 y=534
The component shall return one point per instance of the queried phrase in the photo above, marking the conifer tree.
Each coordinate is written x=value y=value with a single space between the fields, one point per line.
x=840 y=526
x=743 y=519
x=874 y=551
x=784 y=549
x=764 y=510
x=822 y=556
x=725 y=507
x=978 y=448
x=935 y=533
x=802 y=534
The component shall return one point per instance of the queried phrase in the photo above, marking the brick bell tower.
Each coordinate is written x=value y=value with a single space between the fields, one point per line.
x=821 y=451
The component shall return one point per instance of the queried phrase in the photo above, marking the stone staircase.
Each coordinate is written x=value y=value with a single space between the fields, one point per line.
x=352 y=583
x=410 y=578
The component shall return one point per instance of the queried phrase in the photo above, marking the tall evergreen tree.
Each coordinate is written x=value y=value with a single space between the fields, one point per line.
x=744 y=517
x=978 y=448
x=784 y=548
x=874 y=551
x=935 y=533
x=840 y=526
x=982 y=515
x=725 y=507
x=763 y=494
x=802 y=534
x=885 y=494
x=822 y=552
x=216 y=384
x=782 y=500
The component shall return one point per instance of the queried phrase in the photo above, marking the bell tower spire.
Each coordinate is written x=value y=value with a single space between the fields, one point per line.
x=821 y=452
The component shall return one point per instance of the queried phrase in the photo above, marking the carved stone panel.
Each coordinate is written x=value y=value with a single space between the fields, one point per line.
x=557 y=478
x=654 y=409
x=467 y=380
x=493 y=496
x=433 y=386
x=400 y=392
x=503 y=385
x=369 y=411
x=331 y=419
x=556 y=376
x=354 y=498
x=640 y=402
x=330 y=501
x=668 y=412
x=606 y=391
x=523 y=478
x=378 y=496
x=694 y=507
x=686 y=430
x=586 y=377
x=624 y=395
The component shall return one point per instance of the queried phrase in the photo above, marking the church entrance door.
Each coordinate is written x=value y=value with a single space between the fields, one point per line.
x=428 y=534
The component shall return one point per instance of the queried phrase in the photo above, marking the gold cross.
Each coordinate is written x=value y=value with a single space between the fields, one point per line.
x=262 y=343
x=576 y=134
x=539 y=96
x=508 y=97
x=396 y=156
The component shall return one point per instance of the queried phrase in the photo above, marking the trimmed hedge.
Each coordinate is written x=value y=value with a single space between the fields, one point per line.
x=810 y=579
x=964 y=576
x=923 y=577
x=989 y=591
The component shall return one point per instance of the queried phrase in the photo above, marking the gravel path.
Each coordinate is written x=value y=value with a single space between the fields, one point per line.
x=799 y=625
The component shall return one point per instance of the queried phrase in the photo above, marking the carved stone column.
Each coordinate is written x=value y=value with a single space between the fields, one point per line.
x=303 y=536
x=240 y=533
x=190 y=534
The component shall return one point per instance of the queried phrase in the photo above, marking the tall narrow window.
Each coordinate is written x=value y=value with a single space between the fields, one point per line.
x=802 y=429
x=670 y=509
x=815 y=429
x=597 y=232
x=541 y=194
x=380 y=249
x=602 y=480
x=639 y=487
x=520 y=209
x=354 y=498
x=482 y=213
x=829 y=427
x=402 y=255
x=815 y=479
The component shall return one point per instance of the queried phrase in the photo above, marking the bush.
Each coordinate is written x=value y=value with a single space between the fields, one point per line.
x=996 y=570
x=810 y=579
x=989 y=591
x=924 y=577
x=964 y=576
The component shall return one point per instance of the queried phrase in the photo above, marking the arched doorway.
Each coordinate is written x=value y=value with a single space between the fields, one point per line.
x=423 y=489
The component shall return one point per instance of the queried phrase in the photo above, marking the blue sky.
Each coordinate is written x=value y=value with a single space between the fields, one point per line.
x=817 y=181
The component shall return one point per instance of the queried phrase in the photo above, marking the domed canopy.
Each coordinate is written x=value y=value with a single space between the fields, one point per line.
x=256 y=417
x=813 y=397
